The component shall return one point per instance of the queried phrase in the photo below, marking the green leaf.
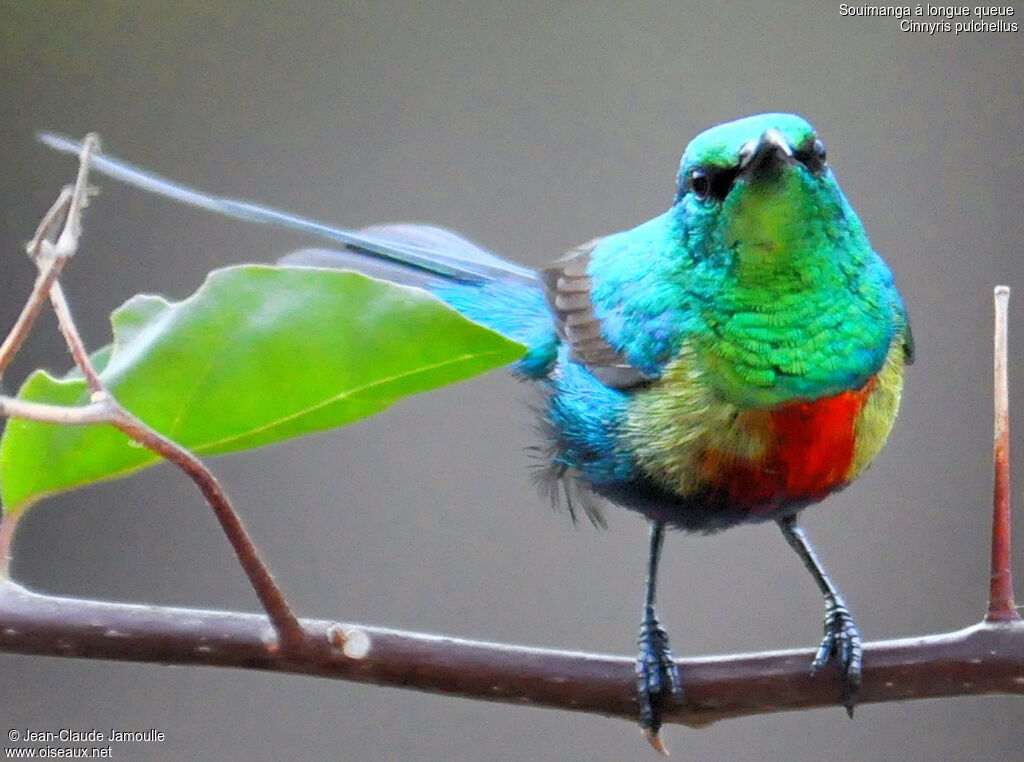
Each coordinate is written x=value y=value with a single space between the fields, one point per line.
x=258 y=354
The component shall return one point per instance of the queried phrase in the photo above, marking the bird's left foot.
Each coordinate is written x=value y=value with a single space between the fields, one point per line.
x=657 y=677
x=841 y=645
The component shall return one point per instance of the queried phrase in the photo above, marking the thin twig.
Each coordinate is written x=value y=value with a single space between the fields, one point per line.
x=45 y=278
x=49 y=256
x=6 y=536
x=65 y=415
x=290 y=632
x=48 y=224
x=106 y=409
x=1000 y=601
x=67 y=242
x=74 y=340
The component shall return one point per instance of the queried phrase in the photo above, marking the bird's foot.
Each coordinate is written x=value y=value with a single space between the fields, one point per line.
x=842 y=645
x=657 y=677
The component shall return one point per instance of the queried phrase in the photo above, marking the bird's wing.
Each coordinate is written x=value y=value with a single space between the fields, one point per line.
x=567 y=286
x=903 y=323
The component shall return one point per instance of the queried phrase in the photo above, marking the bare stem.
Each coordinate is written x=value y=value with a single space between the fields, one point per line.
x=290 y=632
x=46 y=277
x=67 y=242
x=105 y=409
x=100 y=411
x=74 y=339
x=1000 y=600
x=6 y=535
x=49 y=256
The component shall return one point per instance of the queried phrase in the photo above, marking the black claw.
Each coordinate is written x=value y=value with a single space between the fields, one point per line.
x=657 y=675
x=841 y=645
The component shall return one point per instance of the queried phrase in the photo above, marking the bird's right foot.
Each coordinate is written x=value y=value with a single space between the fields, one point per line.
x=841 y=645
x=657 y=677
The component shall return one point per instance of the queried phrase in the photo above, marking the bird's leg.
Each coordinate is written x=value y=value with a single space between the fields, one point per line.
x=842 y=640
x=656 y=670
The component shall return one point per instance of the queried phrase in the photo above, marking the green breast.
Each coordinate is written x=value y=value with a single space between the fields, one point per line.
x=805 y=307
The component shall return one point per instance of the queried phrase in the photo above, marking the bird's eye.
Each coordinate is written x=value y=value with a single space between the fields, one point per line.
x=712 y=182
x=700 y=184
x=812 y=155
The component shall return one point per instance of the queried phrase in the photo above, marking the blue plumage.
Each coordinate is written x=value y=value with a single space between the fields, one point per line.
x=515 y=310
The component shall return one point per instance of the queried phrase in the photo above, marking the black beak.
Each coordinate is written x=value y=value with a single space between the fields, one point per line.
x=763 y=160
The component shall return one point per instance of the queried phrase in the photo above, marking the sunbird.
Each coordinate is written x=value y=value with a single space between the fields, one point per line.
x=732 y=360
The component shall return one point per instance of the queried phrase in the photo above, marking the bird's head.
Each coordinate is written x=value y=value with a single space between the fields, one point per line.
x=759 y=191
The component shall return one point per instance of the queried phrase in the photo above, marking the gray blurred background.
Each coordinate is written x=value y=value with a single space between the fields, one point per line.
x=529 y=127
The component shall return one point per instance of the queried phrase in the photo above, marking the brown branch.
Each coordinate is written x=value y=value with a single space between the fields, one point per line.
x=981 y=660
